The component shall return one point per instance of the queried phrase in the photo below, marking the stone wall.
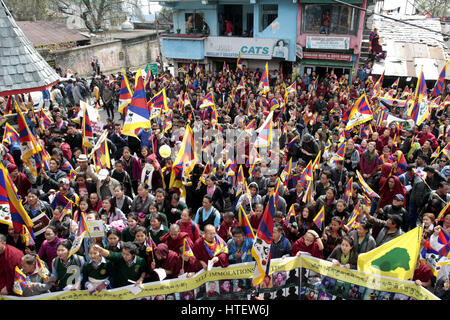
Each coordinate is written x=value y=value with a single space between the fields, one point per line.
x=113 y=55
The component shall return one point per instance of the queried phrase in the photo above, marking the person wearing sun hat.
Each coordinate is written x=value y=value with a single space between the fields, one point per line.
x=84 y=166
x=106 y=184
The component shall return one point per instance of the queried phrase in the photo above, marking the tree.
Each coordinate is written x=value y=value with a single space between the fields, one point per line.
x=26 y=10
x=96 y=14
x=165 y=15
x=436 y=8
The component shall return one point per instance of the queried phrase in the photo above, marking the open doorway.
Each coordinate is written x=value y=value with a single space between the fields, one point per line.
x=232 y=13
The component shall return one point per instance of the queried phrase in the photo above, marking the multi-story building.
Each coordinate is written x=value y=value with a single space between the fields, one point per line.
x=211 y=32
x=329 y=35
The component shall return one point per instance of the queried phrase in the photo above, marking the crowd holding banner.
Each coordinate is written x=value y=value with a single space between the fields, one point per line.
x=208 y=170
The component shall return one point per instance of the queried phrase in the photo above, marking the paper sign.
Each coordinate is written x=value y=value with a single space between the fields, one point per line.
x=161 y=273
x=96 y=229
x=40 y=223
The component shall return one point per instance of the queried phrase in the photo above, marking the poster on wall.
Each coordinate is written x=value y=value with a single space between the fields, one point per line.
x=250 y=48
x=324 y=42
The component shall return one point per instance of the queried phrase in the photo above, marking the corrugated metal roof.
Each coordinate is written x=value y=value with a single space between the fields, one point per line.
x=49 y=32
x=412 y=46
x=22 y=68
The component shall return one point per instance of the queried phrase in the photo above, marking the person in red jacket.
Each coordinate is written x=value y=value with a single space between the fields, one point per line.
x=64 y=146
x=211 y=247
x=175 y=238
x=20 y=180
x=425 y=135
x=10 y=257
x=228 y=223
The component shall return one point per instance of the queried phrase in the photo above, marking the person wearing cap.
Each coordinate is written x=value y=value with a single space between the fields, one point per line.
x=397 y=208
x=390 y=228
x=22 y=183
x=84 y=166
x=243 y=199
x=260 y=180
x=281 y=205
x=106 y=184
x=64 y=192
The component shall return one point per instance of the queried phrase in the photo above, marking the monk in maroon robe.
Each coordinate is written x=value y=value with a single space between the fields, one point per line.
x=211 y=247
x=175 y=239
x=10 y=257
x=166 y=259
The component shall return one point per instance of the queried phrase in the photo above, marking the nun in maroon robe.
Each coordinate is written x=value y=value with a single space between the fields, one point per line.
x=165 y=259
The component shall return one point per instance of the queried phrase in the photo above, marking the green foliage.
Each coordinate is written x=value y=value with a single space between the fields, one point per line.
x=28 y=9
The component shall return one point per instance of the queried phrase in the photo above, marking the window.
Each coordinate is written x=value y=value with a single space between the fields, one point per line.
x=269 y=13
x=329 y=19
x=195 y=22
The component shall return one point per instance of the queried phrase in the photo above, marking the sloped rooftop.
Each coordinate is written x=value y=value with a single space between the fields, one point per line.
x=22 y=68
x=43 y=33
x=408 y=48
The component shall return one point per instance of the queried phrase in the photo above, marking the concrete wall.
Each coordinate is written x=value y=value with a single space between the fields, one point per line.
x=112 y=55
x=183 y=49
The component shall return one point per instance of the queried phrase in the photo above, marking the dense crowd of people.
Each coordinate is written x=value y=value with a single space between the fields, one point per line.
x=134 y=198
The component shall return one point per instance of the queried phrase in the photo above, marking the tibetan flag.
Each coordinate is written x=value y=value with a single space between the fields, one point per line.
x=308 y=172
x=251 y=125
x=159 y=101
x=352 y=220
x=320 y=218
x=315 y=164
x=395 y=84
x=348 y=191
x=21 y=281
x=443 y=212
x=19 y=216
x=264 y=239
x=286 y=173
x=184 y=162
x=138 y=114
x=419 y=110
x=88 y=134
x=101 y=153
x=340 y=152
x=64 y=212
x=148 y=76
x=378 y=86
x=125 y=93
x=230 y=168
x=292 y=88
x=206 y=173
x=208 y=100
x=366 y=187
x=443 y=242
x=240 y=180
x=10 y=134
x=41 y=268
x=183 y=69
x=150 y=245
x=263 y=86
x=26 y=237
x=214 y=120
x=239 y=66
x=245 y=224
x=265 y=132
x=72 y=174
x=436 y=152
x=437 y=90
x=69 y=73
x=360 y=113
x=187 y=101
x=446 y=150
x=396 y=258
x=46 y=119
x=206 y=144
x=187 y=251
x=241 y=84
x=28 y=143
x=5 y=215
x=307 y=198
x=81 y=232
x=290 y=215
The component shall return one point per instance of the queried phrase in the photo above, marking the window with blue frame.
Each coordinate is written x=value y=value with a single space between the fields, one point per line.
x=329 y=19
x=268 y=13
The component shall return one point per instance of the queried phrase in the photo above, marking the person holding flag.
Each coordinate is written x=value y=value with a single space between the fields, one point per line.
x=10 y=258
x=37 y=283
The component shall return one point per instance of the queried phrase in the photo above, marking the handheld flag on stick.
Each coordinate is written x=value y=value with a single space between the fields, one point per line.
x=138 y=114
x=360 y=113
x=81 y=232
x=443 y=212
x=348 y=191
x=366 y=187
x=263 y=86
x=26 y=237
x=437 y=90
x=419 y=108
x=265 y=132
x=396 y=258
x=187 y=251
x=320 y=218
x=245 y=224
x=264 y=239
x=64 y=212
x=10 y=134
x=21 y=281
x=42 y=269
x=150 y=244
x=352 y=220
x=125 y=93
x=88 y=134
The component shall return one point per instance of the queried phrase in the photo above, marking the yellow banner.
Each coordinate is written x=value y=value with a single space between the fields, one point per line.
x=244 y=271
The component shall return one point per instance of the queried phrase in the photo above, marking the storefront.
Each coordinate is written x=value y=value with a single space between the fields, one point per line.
x=325 y=62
